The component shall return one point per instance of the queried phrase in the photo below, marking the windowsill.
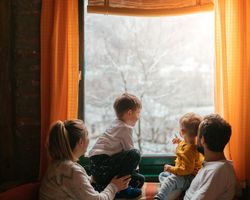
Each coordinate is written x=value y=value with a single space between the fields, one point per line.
x=151 y=165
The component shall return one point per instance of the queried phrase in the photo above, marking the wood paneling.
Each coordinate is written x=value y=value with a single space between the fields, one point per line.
x=6 y=94
x=19 y=90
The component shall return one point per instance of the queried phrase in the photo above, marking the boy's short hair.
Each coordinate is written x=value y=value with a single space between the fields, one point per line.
x=125 y=102
x=216 y=132
x=190 y=123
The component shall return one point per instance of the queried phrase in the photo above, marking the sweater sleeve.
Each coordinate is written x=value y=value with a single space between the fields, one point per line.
x=186 y=162
x=126 y=138
x=79 y=186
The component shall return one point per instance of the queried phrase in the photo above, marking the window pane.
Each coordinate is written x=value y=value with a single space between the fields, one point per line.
x=166 y=61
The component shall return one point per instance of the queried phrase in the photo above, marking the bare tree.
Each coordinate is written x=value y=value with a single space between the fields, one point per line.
x=145 y=57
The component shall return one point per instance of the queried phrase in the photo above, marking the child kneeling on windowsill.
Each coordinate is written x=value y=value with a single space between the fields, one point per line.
x=113 y=154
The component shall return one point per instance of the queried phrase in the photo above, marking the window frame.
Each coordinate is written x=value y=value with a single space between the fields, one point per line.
x=81 y=96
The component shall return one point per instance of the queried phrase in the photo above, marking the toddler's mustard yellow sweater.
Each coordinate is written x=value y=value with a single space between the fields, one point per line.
x=188 y=160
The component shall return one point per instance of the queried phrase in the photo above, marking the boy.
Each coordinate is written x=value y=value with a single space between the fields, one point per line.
x=216 y=179
x=188 y=160
x=113 y=154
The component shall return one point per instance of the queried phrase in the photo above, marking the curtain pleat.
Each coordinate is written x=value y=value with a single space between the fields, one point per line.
x=232 y=78
x=59 y=66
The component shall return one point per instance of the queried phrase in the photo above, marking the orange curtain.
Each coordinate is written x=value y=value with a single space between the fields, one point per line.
x=59 y=66
x=232 y=78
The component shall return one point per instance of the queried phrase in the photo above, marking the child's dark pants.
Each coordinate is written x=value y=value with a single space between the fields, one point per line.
x=104 y=168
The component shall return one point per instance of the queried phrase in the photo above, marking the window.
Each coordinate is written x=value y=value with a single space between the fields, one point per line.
x=166 y=61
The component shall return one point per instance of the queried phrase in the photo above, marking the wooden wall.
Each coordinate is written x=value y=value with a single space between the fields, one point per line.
x=19 y=90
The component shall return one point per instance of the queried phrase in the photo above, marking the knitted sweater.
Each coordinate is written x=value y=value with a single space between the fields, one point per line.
x=68 y=180
x=188 y=160
x=118 y=137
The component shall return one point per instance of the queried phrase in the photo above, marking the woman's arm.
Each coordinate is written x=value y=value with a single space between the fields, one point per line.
x=79 y=186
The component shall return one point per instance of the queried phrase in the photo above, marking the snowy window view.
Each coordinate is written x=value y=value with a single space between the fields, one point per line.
x=167 y=62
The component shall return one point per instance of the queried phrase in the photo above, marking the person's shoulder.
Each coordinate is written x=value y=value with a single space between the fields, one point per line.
x=220 y=166
x=188 y=147
x=227 y=165
x=117 y=126
x=122 y=126
x=77 y=166
x=183 y=144
x=69 y=165
x=77 y=170
x=223 y=171
x=64 y=168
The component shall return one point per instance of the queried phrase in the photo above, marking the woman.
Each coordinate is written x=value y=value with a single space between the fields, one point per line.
x=65 y=178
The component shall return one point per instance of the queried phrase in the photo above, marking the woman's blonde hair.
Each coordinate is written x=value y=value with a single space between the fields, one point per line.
x=63 y=137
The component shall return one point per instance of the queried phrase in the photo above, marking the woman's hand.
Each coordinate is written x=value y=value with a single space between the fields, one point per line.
x=122 y=182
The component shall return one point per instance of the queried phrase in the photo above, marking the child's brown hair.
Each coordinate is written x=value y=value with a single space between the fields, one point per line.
x=190 y=123
x=125 y=102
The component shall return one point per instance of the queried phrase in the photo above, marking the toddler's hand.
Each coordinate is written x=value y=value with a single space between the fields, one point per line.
x=122 y=182
x=166 y=167
x=176 y=140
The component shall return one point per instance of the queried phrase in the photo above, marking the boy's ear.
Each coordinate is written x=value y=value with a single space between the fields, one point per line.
x=129 y=112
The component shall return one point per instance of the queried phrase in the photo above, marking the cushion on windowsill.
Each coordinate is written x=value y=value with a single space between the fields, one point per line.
x=30 y=192
x=150 y=189
x=27 y=191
